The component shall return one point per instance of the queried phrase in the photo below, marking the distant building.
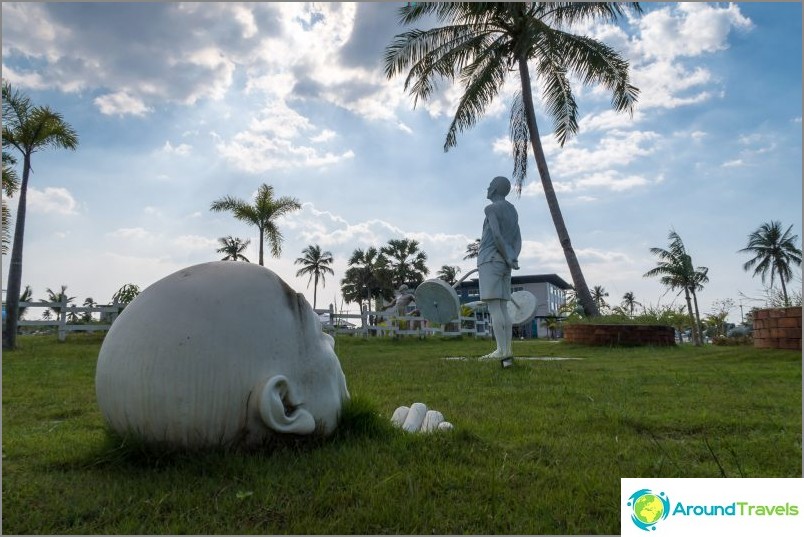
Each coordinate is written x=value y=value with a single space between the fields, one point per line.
x=549 y=290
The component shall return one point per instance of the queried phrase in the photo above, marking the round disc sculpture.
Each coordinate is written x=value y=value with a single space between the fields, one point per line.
x=521 y=307
x=439 y=303
x=219 y=354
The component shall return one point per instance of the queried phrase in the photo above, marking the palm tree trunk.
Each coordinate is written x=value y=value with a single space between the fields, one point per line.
x=261 y=246
x=315 y=289
x=15 y=265
x=697 y=317
x=581 y=289
x=784 y=290
x=695 y=336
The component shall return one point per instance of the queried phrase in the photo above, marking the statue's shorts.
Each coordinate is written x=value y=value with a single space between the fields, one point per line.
x=495 y=280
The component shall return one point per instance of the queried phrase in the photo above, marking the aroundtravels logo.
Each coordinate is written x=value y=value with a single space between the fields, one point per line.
x=666 y=506
x=648 y=508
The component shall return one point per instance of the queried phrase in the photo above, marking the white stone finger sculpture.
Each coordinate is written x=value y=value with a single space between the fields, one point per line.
x=415 y=417
x=418 y=419
x=398 y=419
x=219 y=354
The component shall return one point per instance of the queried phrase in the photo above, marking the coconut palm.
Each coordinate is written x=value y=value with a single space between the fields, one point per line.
x=676 y=271
x=53 y=296
x=316 y=265
x=449 y=273
x=28 y=129
x=629 y=301
x=233 y=248
x=482 y=42
x=11 y=184
x=368 y=276
x=774 y=254
x=598 y=295
x=263 y=214
x=25 y=296
x=472 y=250
x=406 y=261
x=89 y=302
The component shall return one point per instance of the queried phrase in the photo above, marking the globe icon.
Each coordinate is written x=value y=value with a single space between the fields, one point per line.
x=648 y=509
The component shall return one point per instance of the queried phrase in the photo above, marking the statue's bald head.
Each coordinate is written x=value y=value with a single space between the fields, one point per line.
x=500 y=185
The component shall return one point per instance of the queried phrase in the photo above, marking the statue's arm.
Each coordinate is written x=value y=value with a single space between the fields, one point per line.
x=499 y=241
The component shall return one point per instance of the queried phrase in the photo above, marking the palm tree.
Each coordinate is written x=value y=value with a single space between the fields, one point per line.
x=53 y=296
x=368 y=276
x=28 y=129
x=233 y=248
x=89 y=302
x=472 y=250
x=406 y=261
x=598 y=295
x=481 y=42
x=316 y=264
x=629 y=301
x=25 y=296
x=449 y=273
x=676 y=272
x=11 y=184
x=263 y=214
x=774 y=253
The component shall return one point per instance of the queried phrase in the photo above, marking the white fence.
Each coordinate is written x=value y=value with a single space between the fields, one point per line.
x=382 y=324
x=371 y=322
x=108 y=313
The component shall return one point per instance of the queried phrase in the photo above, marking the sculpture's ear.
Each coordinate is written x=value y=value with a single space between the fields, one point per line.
x=279 y=410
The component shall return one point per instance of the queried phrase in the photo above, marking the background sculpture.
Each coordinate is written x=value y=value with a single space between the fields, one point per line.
x=219 y=354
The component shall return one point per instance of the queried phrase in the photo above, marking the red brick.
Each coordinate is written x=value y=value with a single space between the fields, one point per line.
x=793 y=344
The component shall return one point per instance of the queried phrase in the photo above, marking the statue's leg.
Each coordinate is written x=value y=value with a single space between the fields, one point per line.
x=501 y=322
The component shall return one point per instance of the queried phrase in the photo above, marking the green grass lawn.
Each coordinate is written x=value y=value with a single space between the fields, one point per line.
x=537 y=449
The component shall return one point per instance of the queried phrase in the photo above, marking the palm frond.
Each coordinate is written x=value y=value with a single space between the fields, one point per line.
x=597 y=63
x=520 y=139
x=569 y=13
x=482 y=82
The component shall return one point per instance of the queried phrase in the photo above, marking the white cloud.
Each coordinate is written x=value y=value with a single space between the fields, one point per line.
x=324 y=136
x=736 y=163
x=616 y=149
x=256 y=153
x=195 y=243
x=53 y=200
x=610 y=180
x=664 y=84
x=121 y=104
x=608 y=120
x=135 y=233
x=280 y=120
x=688 y=29
x=181 y=150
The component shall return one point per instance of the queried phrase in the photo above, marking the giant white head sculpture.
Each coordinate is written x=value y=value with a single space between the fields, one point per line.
x=219 y=354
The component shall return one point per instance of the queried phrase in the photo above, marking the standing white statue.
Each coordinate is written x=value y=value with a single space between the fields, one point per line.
x=219 y=354
x=500 y=245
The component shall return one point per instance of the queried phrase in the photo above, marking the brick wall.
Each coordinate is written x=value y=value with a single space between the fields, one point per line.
x=778 y=328
x=619 y=334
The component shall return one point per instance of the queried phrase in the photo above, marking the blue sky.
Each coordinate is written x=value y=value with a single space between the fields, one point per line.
x=177 y=105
